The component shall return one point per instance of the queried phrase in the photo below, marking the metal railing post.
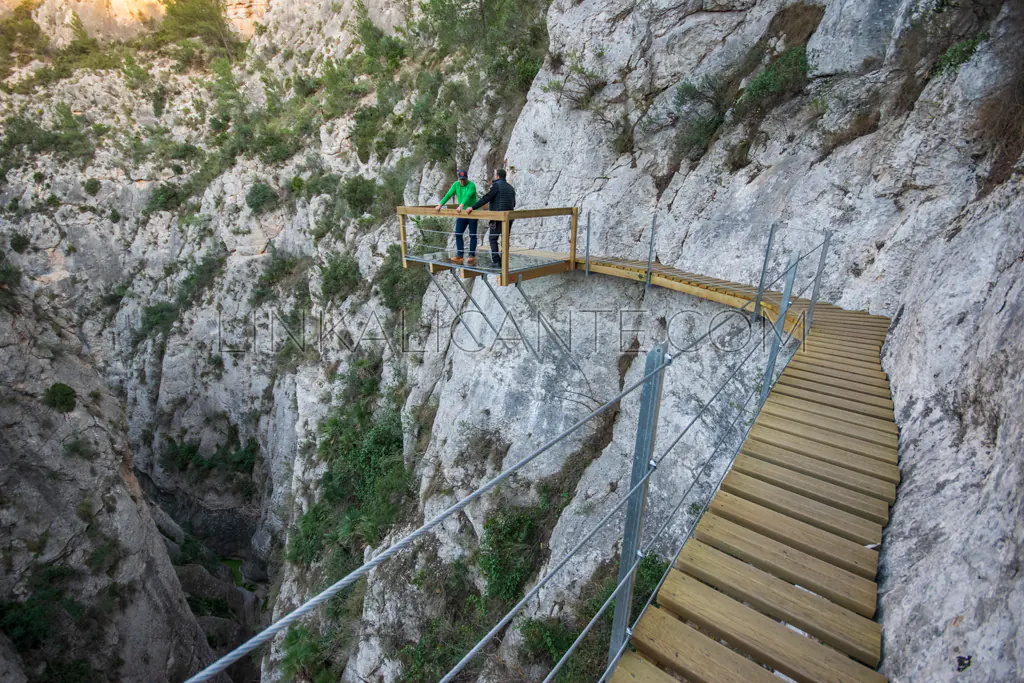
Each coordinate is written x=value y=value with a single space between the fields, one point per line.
x=780 y=328
x=643 y=463
x=588 y=243
x=650 y=254
x=817 y=283
x=764 y=271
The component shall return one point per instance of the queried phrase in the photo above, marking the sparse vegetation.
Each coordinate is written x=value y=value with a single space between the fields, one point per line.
x=401 y=289
x=10 y=283
x=957 y=54
x=159 y=317
x=18 y=242
x=340 y=277
x=261 y=198
x=547 y=640
x=92 y=187
x=864 y=123
x=281 y=270
x=783 y=78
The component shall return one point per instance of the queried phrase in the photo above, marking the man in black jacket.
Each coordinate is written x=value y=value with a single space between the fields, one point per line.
x=501 y=197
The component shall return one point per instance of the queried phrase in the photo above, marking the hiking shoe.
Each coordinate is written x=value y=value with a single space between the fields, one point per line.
x=471 y=261
x=456 y=259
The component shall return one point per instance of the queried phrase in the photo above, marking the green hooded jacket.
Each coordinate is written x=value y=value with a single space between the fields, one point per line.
x=466 y=196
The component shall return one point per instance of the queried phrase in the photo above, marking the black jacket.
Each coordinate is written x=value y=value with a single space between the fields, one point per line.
x=501 y=197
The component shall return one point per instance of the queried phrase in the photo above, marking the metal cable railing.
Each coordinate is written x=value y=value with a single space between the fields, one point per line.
x=644 y=466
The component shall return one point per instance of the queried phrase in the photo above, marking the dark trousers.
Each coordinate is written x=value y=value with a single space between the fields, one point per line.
x=495 y=238
x=460 y=225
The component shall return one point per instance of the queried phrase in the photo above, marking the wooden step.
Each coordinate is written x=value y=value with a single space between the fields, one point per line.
x=846 y=631
x=768 y=641
x=827 y=454
x=850 y=438
x=831 y=414
x=851 y=367
x=850 y=590
x=814 y=374
x=840 y=476
x=837 y=551
x=854 y=407
x=841 y=355
x=634 y=669
x=819 y=335
x=807 y=510
x=863 y=506
x=877 y=385
x=819 y=385
x=680 y=648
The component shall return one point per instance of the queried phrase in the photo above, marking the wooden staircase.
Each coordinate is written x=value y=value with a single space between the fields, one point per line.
x=780 y=573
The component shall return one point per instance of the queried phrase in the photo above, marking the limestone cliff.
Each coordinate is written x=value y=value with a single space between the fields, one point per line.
x=185 y=220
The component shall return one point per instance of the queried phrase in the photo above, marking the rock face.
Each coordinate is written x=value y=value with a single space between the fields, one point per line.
x=84 y=565
x=878 y=147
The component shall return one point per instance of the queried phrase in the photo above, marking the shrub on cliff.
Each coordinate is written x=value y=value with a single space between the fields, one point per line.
x=60 y=397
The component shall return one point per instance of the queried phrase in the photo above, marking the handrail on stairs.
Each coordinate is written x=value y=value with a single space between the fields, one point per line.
x=644 y=466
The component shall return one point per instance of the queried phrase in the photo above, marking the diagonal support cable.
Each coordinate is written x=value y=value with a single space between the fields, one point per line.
x=509 y=315
x=562 y=346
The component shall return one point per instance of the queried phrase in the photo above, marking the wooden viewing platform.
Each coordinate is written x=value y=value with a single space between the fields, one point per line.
x=779 y=575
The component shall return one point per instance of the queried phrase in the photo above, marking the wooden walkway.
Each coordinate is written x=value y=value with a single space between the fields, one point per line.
x=780 y=573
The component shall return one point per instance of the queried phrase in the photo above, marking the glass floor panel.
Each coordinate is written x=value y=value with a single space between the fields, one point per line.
x=518 y=263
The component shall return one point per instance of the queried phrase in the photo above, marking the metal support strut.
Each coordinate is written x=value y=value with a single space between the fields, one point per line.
x=473 y=301
x=511 y=317
x=817 y=283
x=650 y=253
x=764 y=271
x=643 y=463
x=454 y=309
x=780 y=328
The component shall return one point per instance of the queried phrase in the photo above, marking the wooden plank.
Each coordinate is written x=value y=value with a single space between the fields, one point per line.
x=634 y=669
x=840 y=476
x=517 y=214
x=849 y=439
x=540 y=271
x=838 y=585
x=718 y=297
x=858 y=366
x=573 y=228
x=866 y=359
x=768 y=641
x=450 y=213
x=859 y=504
x=878 y=386
x=847 y=631
x=835 y=379
x=401 y=231
x=807 y=510
x=827 y=410
x=839 y=552
x=437 y=267
x=682 y=649
x=505 y=253
x=833 y=456
x=819 y=335
x=811 y=386
x=853 y=328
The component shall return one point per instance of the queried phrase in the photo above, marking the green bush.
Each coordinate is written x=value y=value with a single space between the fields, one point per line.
x=261 y=198
x=166 y=197
x=957 y=54
x=68 y=139
x=280 y=269
x=401 y=288
x=509 y=552
x=203 y=20
x=60 y=397
x=159 y=100
x=161 y=316
x=92 y=186
x=359 y=193
x=784 y=77
x=19 y=33
x=18 y=242
x=340 y=277
x=10 y=283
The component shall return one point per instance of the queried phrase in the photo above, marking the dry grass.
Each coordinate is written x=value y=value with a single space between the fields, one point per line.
x=864 y=123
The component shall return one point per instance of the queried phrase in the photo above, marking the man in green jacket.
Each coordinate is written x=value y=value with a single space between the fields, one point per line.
x=465 y=195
